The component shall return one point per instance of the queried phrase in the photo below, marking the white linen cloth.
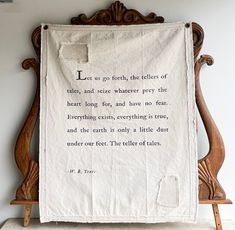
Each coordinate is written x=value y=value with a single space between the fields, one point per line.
x=135 y=159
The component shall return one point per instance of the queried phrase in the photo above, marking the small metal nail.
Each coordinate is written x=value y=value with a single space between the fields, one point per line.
x=45 y=27
x=187 y=25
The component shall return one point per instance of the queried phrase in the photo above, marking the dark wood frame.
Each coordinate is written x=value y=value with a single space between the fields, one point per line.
x=210 y=190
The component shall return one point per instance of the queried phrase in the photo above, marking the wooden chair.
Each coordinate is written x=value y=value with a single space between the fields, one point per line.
x=210 y=190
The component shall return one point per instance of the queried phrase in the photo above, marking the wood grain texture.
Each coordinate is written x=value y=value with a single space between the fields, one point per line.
x=116 y=14
x=27 y=214
x=209 y=166
x=28 y=190
x=22 y=147
x=210 y=190
x=24 y=202
x=227 y=201
x=218 y=222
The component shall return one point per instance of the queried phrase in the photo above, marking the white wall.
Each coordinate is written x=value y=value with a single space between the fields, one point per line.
x=17 y=86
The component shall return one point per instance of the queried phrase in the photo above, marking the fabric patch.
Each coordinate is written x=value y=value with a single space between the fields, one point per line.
x=78 y=52
x=168 y=195
x=117 y=131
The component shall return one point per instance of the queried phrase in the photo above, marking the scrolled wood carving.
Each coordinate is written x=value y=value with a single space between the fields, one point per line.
x=27 y=166
x=118 y=14
x=29 y=188
x=209 y=166
x=36 y=40
x=198 y=37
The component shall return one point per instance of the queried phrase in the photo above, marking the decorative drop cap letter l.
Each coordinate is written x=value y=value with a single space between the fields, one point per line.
x=79 y=75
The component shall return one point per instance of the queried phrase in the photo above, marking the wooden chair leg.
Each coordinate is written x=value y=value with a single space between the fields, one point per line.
x=217 y=217
x=27 y=213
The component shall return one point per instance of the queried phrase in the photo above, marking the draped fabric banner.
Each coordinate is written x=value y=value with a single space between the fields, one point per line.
x=117 y=124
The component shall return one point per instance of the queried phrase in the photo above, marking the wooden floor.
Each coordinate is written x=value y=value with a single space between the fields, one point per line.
x=34 y=224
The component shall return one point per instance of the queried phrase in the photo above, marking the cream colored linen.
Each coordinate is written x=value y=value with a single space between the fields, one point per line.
x=134 y=159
